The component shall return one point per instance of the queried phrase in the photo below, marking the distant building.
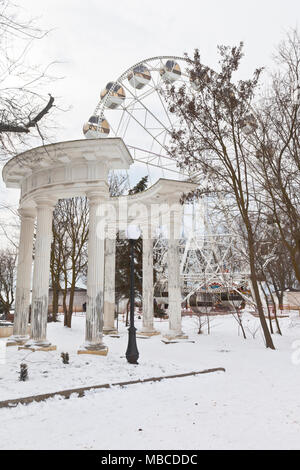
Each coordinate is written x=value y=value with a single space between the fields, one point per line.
x=79 y=304
x=291 y=299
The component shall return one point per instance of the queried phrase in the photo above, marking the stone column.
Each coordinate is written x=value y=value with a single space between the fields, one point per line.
x=109 y=286
x=22 y=302
x=174 y=285
x=148 y=291
x=41 y=272
x=95 y=278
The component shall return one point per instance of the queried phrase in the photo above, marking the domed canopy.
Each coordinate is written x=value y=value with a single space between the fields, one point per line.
x=96 y=128
x=170 y=71
x=116 y=97
x=139 y=76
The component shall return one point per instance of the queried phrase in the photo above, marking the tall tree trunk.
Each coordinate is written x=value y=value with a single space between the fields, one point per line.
x=238 y=318
x=56 y=290
x=65 y=309
x=268 y=308
x=275 y=310
x=208 y=324
x=71 y=303
x=242 y=326
x=65 y=293
x=6 y=309
x=267 y=334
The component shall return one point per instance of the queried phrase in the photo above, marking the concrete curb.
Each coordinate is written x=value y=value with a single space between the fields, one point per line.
x=81 y=391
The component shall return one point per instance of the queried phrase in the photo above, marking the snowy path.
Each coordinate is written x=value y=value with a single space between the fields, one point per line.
x=254 y=405
x=190 y=413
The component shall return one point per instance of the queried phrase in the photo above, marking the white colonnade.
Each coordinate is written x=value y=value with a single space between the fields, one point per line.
x=80 y=168
x=109 y=286
x=23 y=285
x=41 y=270
x=95 y=279
x=174 y=285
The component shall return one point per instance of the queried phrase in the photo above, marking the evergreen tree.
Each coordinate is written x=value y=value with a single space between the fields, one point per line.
x=140 y=186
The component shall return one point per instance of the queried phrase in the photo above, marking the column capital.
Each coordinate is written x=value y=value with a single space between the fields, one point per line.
x=27 y=213
x=44 y=202
x=96 y=196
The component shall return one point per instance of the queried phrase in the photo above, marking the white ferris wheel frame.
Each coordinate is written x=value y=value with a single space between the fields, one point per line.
x=153 y=159
x=210 y=274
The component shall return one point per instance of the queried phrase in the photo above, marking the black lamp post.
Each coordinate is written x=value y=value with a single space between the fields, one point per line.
x=132 y=354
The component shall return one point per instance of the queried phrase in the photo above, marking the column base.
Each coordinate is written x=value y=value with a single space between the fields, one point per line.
x=110 y=331
x=149 y=332
x=172 y=335
x=33 y=346
x=94 y=349
x=38 y=348
x=16 y=340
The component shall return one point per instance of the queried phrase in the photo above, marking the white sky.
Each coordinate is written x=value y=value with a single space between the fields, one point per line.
x=97 y=40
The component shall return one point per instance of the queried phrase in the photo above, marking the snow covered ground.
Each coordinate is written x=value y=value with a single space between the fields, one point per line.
x=254 y=405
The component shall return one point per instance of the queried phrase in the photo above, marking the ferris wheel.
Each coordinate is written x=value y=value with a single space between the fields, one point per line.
x=133 y=107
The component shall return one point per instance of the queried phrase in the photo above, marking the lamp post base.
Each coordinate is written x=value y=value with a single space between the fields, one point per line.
x=132 y=353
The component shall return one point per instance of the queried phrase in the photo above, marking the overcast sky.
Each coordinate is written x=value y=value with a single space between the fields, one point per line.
x=97 y=40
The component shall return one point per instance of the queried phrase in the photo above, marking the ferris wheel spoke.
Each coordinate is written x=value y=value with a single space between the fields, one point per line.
x=148 y=152
x=147 y=131
x=126 y=125
x=134 y=98
x=164 y=107
x=152 y=114
x=123 y=117
x=155 y=165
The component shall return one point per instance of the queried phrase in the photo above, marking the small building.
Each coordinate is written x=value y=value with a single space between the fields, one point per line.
x=79 y=303
x=291 y=299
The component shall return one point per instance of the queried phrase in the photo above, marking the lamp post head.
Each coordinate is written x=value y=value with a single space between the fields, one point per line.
x=133 y=232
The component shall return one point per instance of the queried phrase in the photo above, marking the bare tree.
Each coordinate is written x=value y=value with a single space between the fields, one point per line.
x=7 y=279
x=10 y=225
x=23 y=103
x=58 y=262
x=277 y=150
x=211 y=140
x=69 y=251
x=117 y=184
